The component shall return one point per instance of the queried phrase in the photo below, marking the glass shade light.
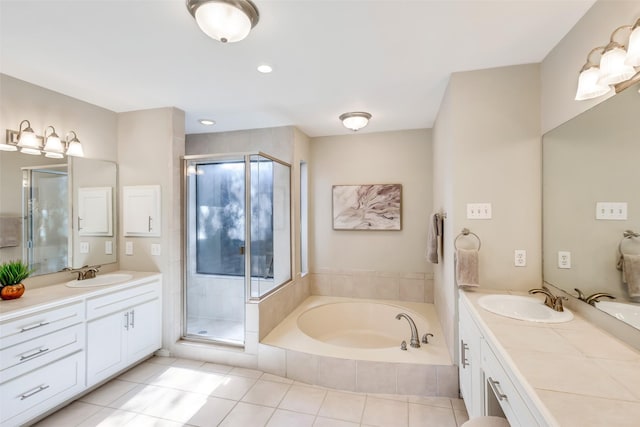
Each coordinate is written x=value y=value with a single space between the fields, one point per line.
x=74 y=147
x=27 y=139
x=588 y=86
x=355 y=120
x=53 y=147
x=633 y=50
x=613 y=69
x=225 y=20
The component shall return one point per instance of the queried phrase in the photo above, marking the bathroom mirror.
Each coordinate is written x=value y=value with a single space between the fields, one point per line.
x=592 y=163
x=40 y=200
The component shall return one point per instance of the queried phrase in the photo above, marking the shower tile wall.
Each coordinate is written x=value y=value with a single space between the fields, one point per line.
x=220 y=296
x=404 y=286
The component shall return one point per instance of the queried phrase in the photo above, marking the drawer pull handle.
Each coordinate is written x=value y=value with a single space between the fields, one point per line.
x=39 y=325
x=495 y=386
x=126 y=320
x=34 y=354
x=34 y=391
x=150 y=227
x=463 y=355
x=132 y=318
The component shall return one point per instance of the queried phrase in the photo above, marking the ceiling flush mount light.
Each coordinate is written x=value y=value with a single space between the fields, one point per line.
x=355 y=120
x=225 y=20
x=265 y=69
x=207 y=122
x=619 y=65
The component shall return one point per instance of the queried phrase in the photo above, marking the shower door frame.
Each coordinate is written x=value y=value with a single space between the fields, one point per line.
x=221 y=157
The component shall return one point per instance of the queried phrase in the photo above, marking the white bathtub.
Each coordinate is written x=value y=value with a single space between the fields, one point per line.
x=359 y=329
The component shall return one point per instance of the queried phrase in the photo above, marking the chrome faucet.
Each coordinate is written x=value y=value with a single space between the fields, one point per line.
x=593 y=299
x=415 y=341
x=550 y=300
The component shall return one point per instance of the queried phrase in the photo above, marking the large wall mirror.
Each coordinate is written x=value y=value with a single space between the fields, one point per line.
x=592 y=163
x=57 y=213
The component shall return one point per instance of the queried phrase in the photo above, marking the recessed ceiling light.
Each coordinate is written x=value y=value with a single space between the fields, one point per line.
x=207 y=122
x=265 y=69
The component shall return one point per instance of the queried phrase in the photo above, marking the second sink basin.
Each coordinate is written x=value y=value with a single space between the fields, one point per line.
x=523 y=308
x=100 y=280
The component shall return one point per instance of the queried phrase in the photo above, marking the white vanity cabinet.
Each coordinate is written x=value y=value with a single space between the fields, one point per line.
x=487 y=383
x=122 y=328
x=42 y=361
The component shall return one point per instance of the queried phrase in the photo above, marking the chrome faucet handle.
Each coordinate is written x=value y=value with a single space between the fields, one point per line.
x=403 y=346
x=425 y=338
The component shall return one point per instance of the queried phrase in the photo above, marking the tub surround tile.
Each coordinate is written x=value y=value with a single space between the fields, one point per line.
x=337 y=373
x=412 y=290
x=302 y=367
x=447 y=379
x=419 y=380
x=272 y=360
x=376 y=377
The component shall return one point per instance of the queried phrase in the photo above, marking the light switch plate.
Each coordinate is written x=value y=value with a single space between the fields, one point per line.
x=478 y=210
x=611 y=210
x=84 y=247
x=128 y=248
x=108 y=247
x=155 y=249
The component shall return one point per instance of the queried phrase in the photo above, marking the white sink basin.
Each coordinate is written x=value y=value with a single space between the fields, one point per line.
x=628 y=313
x=100 y=280
x=523 y=308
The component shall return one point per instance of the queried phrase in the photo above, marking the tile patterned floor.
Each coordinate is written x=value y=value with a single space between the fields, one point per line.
x=169 y=392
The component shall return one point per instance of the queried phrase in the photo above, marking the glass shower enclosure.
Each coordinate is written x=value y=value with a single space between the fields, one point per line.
x=238 y=240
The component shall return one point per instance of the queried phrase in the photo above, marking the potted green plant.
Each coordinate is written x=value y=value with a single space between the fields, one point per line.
x=12 y=274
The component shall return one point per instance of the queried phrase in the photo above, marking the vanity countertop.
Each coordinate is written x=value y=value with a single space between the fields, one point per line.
x=576 y=373
x=53 y=295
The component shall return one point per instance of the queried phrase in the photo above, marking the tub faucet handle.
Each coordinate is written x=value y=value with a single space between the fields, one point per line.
x=425 y=338
x=403 y=345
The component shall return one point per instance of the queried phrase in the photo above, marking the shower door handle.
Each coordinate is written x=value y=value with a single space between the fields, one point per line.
x=79 y=227
x=241 y=250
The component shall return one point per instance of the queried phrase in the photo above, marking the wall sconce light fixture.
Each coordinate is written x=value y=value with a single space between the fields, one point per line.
x=50 y=144
x=225 y=20
x=619 y=65
x=355 y=120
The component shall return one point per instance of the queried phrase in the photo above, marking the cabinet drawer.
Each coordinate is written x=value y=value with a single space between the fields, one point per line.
x=30 y=395
x=29 y=355
x=498 y=382
x=28 y=327
x=117 y=301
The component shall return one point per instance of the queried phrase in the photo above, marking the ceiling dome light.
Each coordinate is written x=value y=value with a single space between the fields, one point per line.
x=265 y=69
x=207 y=122
x=355 y=120
x=225 y=20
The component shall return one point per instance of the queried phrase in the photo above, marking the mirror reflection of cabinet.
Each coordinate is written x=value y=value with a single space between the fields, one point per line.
x=141 y=210
x=95 y=211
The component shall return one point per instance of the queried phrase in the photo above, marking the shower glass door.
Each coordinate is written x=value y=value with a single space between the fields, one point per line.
x=238 y=242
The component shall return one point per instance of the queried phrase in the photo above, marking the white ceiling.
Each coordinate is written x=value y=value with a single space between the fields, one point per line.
x=391 y=58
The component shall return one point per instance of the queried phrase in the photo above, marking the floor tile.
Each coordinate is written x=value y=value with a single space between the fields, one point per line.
x=303 y=399
x=329 y=422
x=343 y=406
x=162 y=360
x=266 y=393
x=215 y=367
x=186 y=379
x=385 y=413
x=233 y=387
x=108 y=393
x=276 y=378
x=246 y=414
x=141 y=420
x=461 y=417
x=108 y=417
x=187 y=363
x=423 y=415
x=244 y=372
x=143 y=372
x=441 y=402
x=282 y=418
x=138 y=398
x=212 y=412
x=70 y=415
x=175 y=405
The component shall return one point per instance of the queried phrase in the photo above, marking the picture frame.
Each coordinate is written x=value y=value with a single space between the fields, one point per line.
x=375 y=207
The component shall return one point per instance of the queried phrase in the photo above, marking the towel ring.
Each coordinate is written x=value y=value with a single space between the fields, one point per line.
x=628 y=234
x=466 y=232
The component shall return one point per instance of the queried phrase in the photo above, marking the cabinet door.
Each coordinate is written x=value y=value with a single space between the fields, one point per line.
x=95 y=212
x=143 y=336
x=471 y=382
x=105 y=346
x=141 y=210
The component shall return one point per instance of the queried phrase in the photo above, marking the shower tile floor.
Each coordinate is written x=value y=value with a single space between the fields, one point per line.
x=222 y=330
x=169 y=392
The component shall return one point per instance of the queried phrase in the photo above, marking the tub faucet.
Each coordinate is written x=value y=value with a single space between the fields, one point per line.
x=415 y=341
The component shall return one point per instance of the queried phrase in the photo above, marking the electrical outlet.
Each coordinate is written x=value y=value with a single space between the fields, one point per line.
x=155 y=249
x=564 y=259
x=520 y=259
x=84 y=247
x=478 y=210
x=128 y=248
x=108 y=247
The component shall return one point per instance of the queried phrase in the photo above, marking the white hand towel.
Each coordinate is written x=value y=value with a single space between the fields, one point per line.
x=432 y=238
x=631 y=274
x=467 y=267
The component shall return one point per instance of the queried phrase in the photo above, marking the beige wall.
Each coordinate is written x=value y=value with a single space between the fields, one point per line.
x=402 y=157
x=150 y=144
x=559 y=70
x=487 y=149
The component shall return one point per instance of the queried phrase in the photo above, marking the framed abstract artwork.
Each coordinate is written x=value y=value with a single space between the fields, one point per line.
x=367 y=207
